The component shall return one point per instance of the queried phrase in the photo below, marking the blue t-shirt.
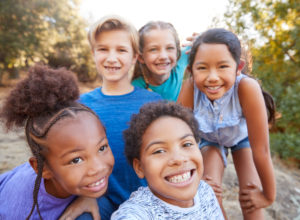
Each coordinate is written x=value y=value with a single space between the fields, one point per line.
x=115 y=113
x=16 y=196
x=170 y=89
x=222 y=121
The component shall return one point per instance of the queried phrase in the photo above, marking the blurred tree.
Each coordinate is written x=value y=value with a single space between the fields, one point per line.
x=42 y=30
x=271 y=29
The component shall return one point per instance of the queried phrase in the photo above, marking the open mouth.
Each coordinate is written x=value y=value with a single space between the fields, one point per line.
x=109 y=68
x=96 y=183
x=181 y=178
x=213 y=87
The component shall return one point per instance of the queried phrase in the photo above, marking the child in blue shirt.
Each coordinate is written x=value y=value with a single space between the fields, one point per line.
x=162 y=146
x=70 y=151
x=114 y=44
x=231 y=112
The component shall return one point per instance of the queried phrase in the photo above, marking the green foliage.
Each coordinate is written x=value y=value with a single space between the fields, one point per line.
x=286 y=145
x=43 y=30
x=272 y=30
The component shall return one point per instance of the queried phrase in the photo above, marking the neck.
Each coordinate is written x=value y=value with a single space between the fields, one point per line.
x=54 y=189
x=116 y=88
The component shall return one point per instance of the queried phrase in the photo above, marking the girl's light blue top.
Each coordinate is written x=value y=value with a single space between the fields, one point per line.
x=222 y=121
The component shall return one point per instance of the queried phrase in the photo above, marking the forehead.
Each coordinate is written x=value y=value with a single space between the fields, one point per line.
x=75 y=129
x=166 y=127
x=159 y=35
x=113 y=36
x=213 y=51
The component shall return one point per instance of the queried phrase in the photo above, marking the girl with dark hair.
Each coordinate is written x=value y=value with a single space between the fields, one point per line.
x=70 y=151
x=231 y=110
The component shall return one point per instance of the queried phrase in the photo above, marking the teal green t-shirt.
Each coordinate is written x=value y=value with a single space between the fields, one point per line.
x=170 y=89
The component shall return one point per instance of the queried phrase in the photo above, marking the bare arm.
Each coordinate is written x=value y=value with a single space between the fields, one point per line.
x=186 y=95
x=254 y=110
x=79 y=206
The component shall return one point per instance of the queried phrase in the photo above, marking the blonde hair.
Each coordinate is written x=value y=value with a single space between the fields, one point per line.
x=141 y=69
x=110 y=23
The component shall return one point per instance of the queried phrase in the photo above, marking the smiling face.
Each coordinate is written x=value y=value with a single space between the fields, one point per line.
x=114 y=56
x=159 y=55
x=79 y=160
x=171 y=161
x=214 y=70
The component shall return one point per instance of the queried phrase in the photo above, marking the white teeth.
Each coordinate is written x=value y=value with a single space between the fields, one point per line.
x=214 y=87
x=112 y=68
x=180 y=178
x=97 y=183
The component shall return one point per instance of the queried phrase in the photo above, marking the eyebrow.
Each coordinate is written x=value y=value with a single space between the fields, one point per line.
x=222 y=61
x=81 y=148
x=161 y=142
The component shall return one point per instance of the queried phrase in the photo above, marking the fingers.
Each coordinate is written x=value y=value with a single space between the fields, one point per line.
x=215 y=186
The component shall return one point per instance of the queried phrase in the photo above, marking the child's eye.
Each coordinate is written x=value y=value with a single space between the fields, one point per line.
x=76 y=160
x=123 y=50
x=152 y=49
x=223 y=66
x=101 y=49
x=158 y=151
x=171 y=48
x=187 y=144
x=103 y=148
x=201 y=68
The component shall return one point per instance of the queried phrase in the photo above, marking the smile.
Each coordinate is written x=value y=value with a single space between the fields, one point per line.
x=111 y=68
x=213 y=87
x=180 y=178
x=97 y=183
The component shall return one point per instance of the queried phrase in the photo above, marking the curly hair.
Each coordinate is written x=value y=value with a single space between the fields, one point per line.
x=38 y=102
x=149 y=113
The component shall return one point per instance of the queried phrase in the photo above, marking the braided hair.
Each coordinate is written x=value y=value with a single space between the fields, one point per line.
x=37 y=102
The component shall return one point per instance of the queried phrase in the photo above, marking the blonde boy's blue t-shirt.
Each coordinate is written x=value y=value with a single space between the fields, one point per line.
x=170 y=89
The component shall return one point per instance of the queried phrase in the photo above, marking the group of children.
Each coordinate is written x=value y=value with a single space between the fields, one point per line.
x=134 y=153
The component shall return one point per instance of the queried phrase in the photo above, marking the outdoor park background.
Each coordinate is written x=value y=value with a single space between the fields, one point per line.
x=55 y=33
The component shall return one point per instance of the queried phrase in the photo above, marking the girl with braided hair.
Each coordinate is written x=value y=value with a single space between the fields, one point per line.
x=71 y=155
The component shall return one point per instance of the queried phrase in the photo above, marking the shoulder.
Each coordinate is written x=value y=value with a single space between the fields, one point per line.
x=248 y=90
x=89 y=96
x=140 y=82
x=136 y=207
x=186 y=95
x=144 y=93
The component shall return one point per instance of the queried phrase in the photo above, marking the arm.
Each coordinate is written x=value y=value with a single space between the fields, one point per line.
x=79 y=206
x=186 y=95
x=254 y=110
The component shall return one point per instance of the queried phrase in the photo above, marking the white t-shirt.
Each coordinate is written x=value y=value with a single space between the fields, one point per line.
x=144 y=205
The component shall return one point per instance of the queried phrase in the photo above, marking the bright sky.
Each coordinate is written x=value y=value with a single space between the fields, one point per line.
x=187 y=16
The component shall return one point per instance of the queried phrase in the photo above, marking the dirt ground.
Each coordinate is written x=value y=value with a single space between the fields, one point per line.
x=14 y=151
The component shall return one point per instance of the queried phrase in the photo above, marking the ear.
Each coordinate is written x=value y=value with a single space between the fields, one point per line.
x=241 y=66
x=141 y=59
x=138 y=168
x=134 y=59
x=46 y=173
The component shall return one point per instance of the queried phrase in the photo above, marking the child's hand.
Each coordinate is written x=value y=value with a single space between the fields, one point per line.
x=79 y=206
x=252 y=198
x=216 y=187
x=190 y=40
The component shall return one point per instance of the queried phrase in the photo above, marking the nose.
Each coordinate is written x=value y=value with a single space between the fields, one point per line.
x=163 y=54
x=213 y=75
x=112 y=57
x=177 y=157
x=95 y=166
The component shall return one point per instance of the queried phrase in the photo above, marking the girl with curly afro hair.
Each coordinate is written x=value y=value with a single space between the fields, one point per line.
x=70 y=151
x=161 y=144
